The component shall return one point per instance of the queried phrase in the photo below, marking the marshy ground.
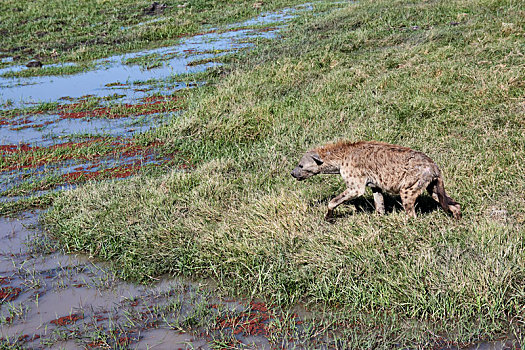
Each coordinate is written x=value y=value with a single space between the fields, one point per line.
x=164 y=149
x=52 y=300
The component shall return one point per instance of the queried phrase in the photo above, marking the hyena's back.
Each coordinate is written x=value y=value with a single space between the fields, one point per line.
x=389 y=167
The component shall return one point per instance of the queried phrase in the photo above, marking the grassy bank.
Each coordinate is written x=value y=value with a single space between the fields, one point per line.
x=446 y=78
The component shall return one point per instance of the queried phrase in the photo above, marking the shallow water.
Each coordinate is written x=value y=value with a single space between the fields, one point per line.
x=94 y=95
x=23 y=91
x=69 y=168
x=46 y=130
x=66 y=285
x=68 y=301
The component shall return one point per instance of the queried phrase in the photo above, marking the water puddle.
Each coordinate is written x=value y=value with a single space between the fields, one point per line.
x=48 y=130
x=170 y=61
x=59 y=131
x=64 y=123
x=48 y=299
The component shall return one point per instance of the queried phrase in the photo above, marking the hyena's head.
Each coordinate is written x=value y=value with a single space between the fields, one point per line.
x=309 y=165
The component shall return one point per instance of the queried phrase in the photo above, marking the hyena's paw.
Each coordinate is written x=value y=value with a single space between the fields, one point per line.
x=329 y=216
x=456 y=211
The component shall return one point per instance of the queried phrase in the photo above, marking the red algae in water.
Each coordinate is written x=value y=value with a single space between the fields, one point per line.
x=153 y=105
x=123 y=148
x=96 y=344
x=66 y=320
x=8 y=294
x=14 y=148
x=31 y=161
x=252 y=322
x=114 y=159
x=119 y=172
x=21 y=148
x=124 y=341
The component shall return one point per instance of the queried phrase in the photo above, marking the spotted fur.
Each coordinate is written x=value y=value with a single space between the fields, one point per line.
x=383 y=167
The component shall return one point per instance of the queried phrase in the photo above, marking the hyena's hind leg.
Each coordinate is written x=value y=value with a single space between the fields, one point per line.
x=437 y=190
x=409 y=196
x=409 y=201
x=379 y=201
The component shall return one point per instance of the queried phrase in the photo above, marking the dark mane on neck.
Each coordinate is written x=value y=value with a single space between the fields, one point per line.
x=335 y=150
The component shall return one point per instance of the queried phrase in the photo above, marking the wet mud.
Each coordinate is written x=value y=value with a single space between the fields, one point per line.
x=49 y=299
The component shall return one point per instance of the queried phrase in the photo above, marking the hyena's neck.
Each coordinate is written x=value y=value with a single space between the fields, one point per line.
x=332 y=156
x=330 y=168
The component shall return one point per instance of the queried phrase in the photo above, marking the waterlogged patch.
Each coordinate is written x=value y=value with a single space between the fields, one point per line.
x=256 y=320
x=28 y=169
x=63 y=144
x=8 y=294
x=50 y=298
x=67 y=320
x=17 y=90
x=59 y=131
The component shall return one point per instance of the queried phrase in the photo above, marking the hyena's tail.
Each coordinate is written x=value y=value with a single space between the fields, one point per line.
x=437 y=191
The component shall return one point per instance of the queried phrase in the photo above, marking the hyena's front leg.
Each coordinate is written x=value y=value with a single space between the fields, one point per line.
x=348 y=194
x=379 y=201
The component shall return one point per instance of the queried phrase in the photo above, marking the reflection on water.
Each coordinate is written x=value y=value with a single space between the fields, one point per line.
x=173 y=61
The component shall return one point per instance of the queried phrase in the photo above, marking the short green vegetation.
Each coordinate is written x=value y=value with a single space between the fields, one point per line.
x=50 y=70
x=443 y=77
x=41 y=107
x=14 y=207
x=145 y=61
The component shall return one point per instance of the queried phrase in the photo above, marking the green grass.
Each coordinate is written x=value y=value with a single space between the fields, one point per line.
x=41 y=107
x=446 y=78
x=14 y=208
x=145 y=61
x=57 y=70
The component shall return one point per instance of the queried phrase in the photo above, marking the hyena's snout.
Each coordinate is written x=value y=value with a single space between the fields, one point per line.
x=308 y=166
x=300 y=174
x=297 y=173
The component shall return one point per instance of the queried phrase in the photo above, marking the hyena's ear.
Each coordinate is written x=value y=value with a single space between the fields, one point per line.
x=317 y=159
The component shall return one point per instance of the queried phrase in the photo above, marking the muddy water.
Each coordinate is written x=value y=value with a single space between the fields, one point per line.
x=49 y=299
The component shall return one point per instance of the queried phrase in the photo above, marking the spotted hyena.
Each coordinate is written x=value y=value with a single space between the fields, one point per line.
x=381 y=166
